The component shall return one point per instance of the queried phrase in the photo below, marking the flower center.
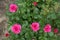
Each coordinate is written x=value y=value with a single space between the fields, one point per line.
x=15 y=28
x=13 y=8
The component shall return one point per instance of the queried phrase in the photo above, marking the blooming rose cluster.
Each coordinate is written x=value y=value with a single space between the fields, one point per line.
x=35 y=26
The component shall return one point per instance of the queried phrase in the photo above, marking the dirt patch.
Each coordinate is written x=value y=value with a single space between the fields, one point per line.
x=3 y=19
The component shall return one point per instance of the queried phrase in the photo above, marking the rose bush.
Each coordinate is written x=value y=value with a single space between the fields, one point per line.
x=33 y=20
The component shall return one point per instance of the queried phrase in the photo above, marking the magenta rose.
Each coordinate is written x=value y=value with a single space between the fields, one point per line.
x=35 y=3
x=55 y=30
x=16 y=28
x=35 y=26
x=13 y=8
x=47 y=28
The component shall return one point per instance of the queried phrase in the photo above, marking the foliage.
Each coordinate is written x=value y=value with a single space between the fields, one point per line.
x=46 y=12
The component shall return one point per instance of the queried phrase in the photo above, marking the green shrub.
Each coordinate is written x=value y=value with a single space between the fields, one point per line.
x=45 y=12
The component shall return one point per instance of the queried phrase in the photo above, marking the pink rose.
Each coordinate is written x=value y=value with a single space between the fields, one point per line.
x=13 y=8
x=7 y=34
x=35 y=26
x=16 y=28
x=56 y=30
x=47 y=28
x=35 y=3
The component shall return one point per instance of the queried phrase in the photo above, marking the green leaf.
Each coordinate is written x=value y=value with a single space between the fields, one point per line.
x=51 y=34
x=52 y=16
